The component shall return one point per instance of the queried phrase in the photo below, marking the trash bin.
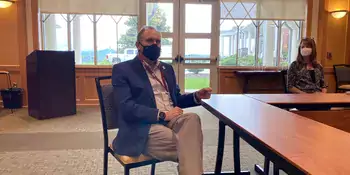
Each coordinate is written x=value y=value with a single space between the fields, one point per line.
x=12 y=98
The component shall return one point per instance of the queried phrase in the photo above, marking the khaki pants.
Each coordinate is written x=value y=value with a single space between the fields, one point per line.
x=180 y=141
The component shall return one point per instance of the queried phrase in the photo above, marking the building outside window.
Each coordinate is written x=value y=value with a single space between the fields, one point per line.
x=260 y=33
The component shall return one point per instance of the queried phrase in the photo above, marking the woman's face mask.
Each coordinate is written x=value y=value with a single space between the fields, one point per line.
x=306 y=51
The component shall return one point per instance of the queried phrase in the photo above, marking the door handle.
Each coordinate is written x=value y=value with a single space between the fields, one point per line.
x=177 y=59
x=181 y=59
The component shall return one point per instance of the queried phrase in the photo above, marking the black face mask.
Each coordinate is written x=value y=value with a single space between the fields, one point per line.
x=152 y=52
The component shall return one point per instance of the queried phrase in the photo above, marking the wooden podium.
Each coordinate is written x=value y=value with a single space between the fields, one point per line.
x=51 y=84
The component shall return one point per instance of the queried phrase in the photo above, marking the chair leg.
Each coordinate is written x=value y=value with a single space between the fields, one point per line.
x=266 y=166
x=105 y=162
x=276 y=170
x=153 y=169
x=126 y=171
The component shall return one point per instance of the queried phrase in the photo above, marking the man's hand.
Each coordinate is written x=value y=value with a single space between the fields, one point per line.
x=204 y=93
x=173 y=113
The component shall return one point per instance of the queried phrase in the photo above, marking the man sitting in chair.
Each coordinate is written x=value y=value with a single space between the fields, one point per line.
x=149 y=109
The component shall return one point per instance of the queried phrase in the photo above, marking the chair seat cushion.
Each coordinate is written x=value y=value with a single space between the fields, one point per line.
x=345 y=86
x=130 y=160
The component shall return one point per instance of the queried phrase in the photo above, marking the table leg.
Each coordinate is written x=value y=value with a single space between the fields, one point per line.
x=220 y=155
x=276 y=170
x=236 y=153
x=261 y=171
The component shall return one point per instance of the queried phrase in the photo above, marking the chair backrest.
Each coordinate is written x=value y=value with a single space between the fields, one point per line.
x=105 y=96
x=285 y=77
x=342 y=74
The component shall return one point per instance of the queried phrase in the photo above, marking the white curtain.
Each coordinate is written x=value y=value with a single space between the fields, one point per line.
x=266 y=9
x=113 y=7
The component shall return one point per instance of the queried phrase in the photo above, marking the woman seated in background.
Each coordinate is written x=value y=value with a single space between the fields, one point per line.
x=305 y=75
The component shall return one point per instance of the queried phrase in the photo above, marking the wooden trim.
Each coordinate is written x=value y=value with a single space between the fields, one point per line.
x=309 y=17
x=22 y=45
x=245 y=68
x=322 y=31
x=93 y=66
x=328 y=70
x=230 y=68
x=35 y=25
x=10 y=68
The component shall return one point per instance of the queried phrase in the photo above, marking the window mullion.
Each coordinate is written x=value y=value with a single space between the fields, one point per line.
x=237 y=42
x=257 y=34
x=43 y=34
x=94 y=23
x=278 y=54
x=69 y=32
x=301 y=29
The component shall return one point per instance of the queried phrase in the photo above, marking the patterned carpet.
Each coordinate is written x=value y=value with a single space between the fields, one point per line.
x=72 y=145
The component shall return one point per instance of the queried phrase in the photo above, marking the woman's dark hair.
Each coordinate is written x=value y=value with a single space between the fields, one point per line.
x=310 y=43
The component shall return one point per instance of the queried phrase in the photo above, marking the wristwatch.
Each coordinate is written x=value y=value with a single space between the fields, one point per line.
x=161 y=116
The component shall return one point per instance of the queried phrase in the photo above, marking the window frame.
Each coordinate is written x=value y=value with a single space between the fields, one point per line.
x=257 y=23
x=70 y=17
x=302 y=33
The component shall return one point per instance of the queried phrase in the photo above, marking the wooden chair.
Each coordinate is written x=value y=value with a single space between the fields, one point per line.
x=105 y=96
x=342 y=77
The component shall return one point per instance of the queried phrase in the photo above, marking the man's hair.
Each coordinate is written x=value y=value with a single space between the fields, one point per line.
x=142 y=30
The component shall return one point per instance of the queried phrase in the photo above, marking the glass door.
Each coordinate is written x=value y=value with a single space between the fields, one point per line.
x=198 y=45
x=189 y=39
x=164 y=16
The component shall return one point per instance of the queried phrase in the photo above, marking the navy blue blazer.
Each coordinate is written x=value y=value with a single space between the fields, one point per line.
x=135 y=105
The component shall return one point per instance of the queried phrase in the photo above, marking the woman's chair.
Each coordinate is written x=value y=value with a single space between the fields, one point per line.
x=342 y=77
x=105 y=96
x=284 y=78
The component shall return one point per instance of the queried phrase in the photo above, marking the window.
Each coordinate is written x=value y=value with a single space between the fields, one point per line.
x=260 y=33
x=116 y=37
x=55 y=28
x=82 y=37
x=96 y=39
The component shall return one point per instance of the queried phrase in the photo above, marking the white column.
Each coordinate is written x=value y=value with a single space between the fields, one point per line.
x=230 y=45
x=77 y=40
x=50 y=33
x=234 y=37
x=222 y=46
x=295 y=45
x=249 y=42
x=269 y=43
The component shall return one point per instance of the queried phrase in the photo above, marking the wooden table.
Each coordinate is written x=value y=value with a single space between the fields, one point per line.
x=248 y=74
x=311 y=102
x=296 y=144
x=304 y=100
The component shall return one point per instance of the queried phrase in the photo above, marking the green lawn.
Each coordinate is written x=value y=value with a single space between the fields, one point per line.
x=196 y=83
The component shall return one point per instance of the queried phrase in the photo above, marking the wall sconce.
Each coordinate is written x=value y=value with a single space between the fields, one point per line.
x=339 y=13
x=5 y=3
